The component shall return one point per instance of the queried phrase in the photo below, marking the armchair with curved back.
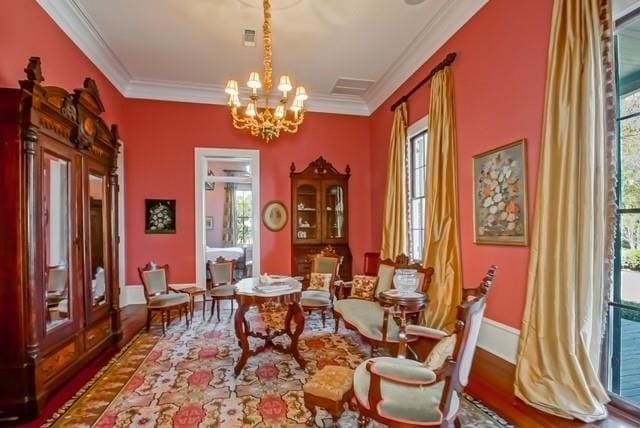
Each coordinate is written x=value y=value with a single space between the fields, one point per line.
x=222 y=280
x=159 y=296
x=370 y=319
x=404 y=393
x=320 y=293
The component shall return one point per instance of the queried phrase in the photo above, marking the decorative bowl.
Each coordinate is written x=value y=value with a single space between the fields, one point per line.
x=406 y=280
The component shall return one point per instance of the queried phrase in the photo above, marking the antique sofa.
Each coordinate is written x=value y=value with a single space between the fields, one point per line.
x=371 y=320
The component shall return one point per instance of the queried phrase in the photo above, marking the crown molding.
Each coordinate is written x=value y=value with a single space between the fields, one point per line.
x=77 y=25
x=214 y=94
x=451 y=16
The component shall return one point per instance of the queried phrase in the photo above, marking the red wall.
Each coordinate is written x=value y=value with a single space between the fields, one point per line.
x=159 y=163
x=499 y=79
x=499 y=82
x=25 y=31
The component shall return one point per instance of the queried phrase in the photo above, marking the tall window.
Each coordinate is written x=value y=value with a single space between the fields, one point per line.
x=244 y=219
x=417 y=178
x=623 y=365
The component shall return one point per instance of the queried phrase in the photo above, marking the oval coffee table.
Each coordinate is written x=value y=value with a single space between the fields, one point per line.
x=247 y=295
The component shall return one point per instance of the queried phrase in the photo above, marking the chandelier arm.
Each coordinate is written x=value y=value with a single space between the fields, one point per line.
x=266 y=34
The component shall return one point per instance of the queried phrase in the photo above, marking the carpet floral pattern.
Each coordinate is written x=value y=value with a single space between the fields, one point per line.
x=185 y=379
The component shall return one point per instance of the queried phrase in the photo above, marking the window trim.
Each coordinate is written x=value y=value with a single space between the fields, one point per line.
x=418 y=127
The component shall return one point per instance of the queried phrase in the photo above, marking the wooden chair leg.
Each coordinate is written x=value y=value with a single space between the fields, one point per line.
x=213 y=305
x=324 y=319
x=162 y=313
x=148 y=319
x=313 y=410
x=362 y=421
x=218 y=305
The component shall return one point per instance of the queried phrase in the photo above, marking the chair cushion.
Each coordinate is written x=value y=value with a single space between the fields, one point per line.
x=223 y=290
x=364 y=287
x=155 y=281
x=315 y=298
x=385 y=278
x=330 y=382
x=440 y=352
x=166 y=300
x=367 y=317
x=320 y=281
x=326 y=264
x=412 y=404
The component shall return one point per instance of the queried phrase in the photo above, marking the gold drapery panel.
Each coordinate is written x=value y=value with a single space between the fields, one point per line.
x=229 y=216
x=569 y=268
x=394 y=223
x=442 y=237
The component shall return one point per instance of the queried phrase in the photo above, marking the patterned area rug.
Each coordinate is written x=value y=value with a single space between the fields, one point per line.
x=185 y=379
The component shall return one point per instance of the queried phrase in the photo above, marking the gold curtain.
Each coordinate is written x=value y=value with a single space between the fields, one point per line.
x=569 y=267
x=442 y=238
x=394 y=226
x=229 y=216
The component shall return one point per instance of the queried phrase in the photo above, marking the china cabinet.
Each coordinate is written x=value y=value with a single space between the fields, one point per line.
x=59 y=303
x=319 y=206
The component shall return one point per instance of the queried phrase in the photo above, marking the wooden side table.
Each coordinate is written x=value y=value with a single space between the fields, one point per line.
x=401 y=305
x=247 y=296
x=192 y=292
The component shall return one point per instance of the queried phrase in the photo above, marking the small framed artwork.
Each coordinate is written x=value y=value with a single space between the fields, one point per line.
x=274 y=216
x=208 y=223
x=160 y=215
x=500 y=196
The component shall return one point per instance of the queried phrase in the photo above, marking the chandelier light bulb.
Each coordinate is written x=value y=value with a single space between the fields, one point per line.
x=301 y=93
x=234 y=101
x=254 y=80
x=297 y=105
x=250 y=110
x=285 y=84
x=232 y=87
x=279 y=111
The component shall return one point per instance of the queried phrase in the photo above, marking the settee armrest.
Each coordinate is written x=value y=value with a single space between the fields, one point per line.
x=426 y=332
x=340 y=286
x=402 y=373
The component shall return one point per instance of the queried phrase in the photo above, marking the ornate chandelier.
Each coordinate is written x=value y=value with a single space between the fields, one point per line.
x=266 y=121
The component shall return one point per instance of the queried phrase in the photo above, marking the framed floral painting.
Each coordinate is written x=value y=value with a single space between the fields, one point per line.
x=500 y=196
x=160 y=215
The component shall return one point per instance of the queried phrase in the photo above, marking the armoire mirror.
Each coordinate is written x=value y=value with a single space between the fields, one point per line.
x=96 y=235
x=56 y=214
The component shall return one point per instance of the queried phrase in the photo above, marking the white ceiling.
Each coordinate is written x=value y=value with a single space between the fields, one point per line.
x=186 y=50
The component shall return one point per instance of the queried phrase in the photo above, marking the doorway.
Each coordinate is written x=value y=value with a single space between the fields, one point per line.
x=227 y=214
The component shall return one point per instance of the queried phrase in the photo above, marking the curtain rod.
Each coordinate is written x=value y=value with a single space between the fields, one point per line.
x=447 y=61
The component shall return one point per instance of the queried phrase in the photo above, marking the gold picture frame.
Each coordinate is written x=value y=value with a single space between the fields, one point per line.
x=500 y=202
x=274 y=216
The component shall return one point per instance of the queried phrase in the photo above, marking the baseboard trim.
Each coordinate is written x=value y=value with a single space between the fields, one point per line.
x=135 y=293
x=499 y=339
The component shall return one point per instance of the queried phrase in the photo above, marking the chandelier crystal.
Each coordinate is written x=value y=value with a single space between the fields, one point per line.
x=260 y=118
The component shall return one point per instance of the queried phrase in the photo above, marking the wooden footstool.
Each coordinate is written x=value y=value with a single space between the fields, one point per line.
x=330 y=388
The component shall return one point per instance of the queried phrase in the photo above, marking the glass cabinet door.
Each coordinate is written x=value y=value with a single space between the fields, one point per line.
x=307 y=210
x=335 y=212
x=97 y=206
x=56 y=214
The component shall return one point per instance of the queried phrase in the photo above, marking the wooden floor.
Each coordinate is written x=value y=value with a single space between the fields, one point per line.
x=492 y=382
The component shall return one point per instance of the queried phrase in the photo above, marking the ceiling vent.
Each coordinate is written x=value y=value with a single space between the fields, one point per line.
x=345 y=86
x=249 y=38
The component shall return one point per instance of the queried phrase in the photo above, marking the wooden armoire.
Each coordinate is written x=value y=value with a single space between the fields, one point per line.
x=59 y=293
x=320 y=215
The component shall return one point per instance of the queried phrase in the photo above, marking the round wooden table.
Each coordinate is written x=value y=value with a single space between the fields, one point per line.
x=248 y=294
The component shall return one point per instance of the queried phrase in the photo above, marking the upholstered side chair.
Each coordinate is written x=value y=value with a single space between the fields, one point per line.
x=159 y=297
x=399 y=392
x=320 y=292
x=222 y=280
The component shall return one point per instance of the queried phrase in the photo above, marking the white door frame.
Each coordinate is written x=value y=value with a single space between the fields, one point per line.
x=202 y=155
